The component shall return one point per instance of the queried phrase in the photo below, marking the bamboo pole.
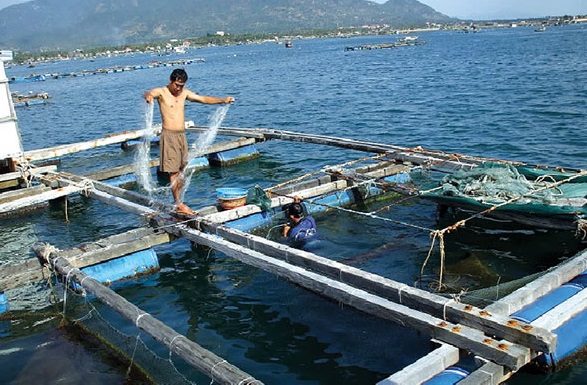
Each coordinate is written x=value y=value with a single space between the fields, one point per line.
x=219 y=370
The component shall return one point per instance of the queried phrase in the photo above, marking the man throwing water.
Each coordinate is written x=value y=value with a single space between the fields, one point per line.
x=173 y=143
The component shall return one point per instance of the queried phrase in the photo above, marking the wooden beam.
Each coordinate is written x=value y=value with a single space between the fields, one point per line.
x=446 y=308
x=219 y=369
x=55 y=152
x=21 y=274
x=33 y=171
x=17 y=275
x=434 y=159
x=14 y=195
x=425 y=368
x=30 y=201
x=503 y=352
x=488 y=374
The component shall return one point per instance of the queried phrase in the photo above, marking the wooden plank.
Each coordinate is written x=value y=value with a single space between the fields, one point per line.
x=57 y=151
x=493 y=324
x=14 y=195
x=434 y=159
x=316 y=187
x=32 y=171
x=553 y=279
x=118 y=171
x=425 y=368
x=17 y=275
x=109 y=250
x=131 y=168
x=116 y=196
x=21 y=274
x=217 y=368
x=37 y=199
x=503 y=352
x=488 y=374
x=240 y=212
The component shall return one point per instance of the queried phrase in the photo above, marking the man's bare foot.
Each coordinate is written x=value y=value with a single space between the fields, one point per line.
x=182 y=208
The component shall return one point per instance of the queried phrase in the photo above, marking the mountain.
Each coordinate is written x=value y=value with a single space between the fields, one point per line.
x=69 y=24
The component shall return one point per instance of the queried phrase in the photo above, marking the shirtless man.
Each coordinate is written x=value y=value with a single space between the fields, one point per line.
x=173 y=142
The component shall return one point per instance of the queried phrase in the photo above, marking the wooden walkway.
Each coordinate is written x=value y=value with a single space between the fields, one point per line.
x=504 y=343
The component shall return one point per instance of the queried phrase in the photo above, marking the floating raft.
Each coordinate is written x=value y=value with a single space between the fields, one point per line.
x=20 y=100
x=398 y=44
x=101 y=71
x=502 y=336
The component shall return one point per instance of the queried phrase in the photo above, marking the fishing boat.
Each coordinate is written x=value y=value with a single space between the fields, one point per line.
x=30 y=99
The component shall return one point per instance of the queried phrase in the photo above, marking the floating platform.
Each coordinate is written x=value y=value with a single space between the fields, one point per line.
x=504 y=336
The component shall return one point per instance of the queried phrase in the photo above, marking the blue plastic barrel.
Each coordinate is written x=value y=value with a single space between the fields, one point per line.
x=449 y=376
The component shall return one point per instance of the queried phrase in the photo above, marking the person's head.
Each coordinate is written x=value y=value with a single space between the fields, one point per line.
x=177 y=80
x=295 y=210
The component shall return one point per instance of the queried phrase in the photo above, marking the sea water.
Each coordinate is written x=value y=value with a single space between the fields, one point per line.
x=503 y=93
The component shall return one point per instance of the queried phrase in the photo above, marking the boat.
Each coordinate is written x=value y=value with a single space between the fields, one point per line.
x=27 y=79
x=20 y=100
x=408 y=39
x=545 y=197
x=288 y=44
x=540 y=29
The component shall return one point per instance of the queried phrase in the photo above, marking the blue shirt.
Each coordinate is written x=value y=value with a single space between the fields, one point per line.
x=303 y=231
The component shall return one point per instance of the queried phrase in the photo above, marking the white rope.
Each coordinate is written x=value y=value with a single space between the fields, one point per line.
x=139 y=317
x=212 y=370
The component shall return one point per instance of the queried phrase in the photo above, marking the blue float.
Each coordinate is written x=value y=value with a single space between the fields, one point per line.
x=449 y=376
x=572 y=335
x=3 y=303
x=124 y=267
x=234 y=156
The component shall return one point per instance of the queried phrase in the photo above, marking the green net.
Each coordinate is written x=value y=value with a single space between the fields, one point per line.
x=257 y=196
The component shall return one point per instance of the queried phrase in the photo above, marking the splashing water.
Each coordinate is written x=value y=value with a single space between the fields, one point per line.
x=142 y=157
x=205 y=139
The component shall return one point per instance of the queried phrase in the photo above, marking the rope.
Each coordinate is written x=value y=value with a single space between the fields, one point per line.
x=325 y=170
x=24 y=168
x=139 y=317
x=212 y=370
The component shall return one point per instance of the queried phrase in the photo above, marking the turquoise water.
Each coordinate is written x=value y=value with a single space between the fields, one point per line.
x=508 y=93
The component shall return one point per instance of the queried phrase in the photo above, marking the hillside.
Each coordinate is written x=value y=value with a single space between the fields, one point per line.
x=68 y=24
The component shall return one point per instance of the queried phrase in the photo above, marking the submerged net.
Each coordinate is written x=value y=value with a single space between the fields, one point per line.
x=130 y=349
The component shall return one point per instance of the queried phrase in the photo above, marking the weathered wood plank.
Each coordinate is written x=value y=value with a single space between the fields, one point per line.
x=14 y=195
x=425 y=368
x=37 y=199
x=57 y=151
x=488 y=374
x=434 y=159
x=503 y=352
x=448 y=309
x=16 y=275
x=541 y=285
x=221 y=371
x=21 y=274
x=33 y=171
x=131 y=168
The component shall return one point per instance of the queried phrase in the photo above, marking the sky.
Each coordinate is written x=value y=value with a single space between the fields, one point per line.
x=505 y=9
x=483 y=9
